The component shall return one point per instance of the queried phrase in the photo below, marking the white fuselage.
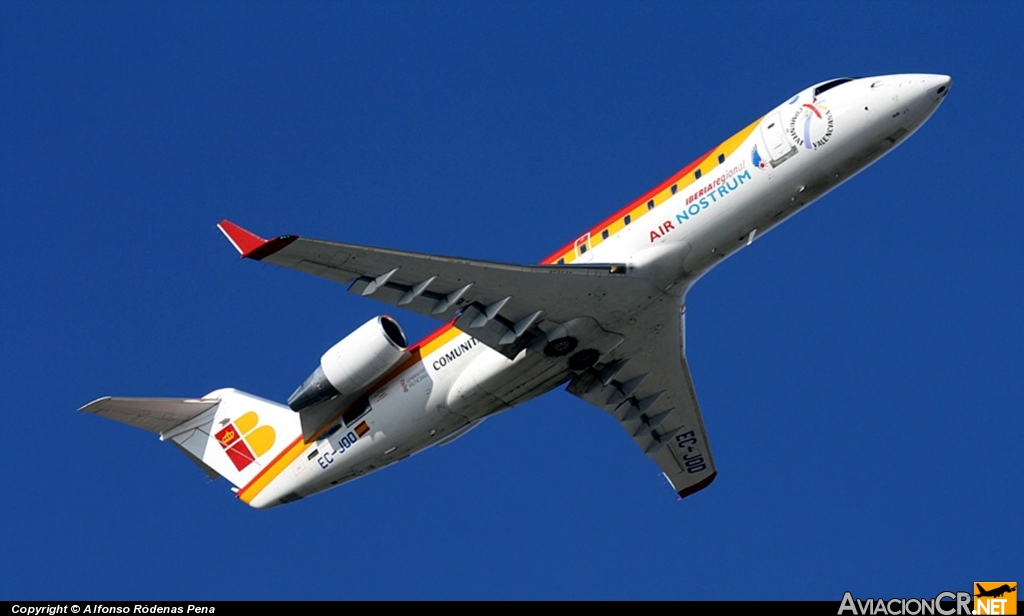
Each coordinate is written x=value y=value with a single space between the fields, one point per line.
x=797 y=152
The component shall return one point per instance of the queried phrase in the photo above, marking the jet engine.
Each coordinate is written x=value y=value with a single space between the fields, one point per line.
x=354 y=364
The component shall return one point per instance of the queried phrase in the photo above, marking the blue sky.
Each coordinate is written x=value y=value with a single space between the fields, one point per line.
x=859 y=369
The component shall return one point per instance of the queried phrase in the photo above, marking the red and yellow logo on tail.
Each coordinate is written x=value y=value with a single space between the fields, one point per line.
x=245 y=440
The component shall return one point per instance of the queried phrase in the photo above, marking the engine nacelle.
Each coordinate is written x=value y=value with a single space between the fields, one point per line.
x=353 y=364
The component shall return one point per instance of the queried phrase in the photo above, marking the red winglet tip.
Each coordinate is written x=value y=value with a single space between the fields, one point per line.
x=697 y=487
x=250 y=245
x=244 y=241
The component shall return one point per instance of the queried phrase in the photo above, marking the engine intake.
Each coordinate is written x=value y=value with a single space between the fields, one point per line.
x=353 y=364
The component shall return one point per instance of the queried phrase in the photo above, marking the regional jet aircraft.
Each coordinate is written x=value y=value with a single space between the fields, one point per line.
x=602 y=315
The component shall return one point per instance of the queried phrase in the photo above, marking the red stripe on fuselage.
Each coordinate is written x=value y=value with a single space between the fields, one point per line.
x=675 y=177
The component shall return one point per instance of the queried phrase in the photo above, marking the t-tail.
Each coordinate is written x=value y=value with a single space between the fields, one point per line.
x=227 y=433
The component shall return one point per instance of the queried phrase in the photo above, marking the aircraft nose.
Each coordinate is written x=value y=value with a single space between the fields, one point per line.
x=936 y=86
x=927 y=91
x=910 y=99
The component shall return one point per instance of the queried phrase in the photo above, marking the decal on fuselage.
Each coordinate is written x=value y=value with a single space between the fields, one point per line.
x=713 y=191
x=713 y=186
x=454 y=354
x=755 y=158
x=342 y=444
x=706 y=196
x=811 y=126
x=408 y=382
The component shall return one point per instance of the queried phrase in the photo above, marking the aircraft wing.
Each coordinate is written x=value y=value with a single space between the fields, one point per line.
x=650 y=392
x=503 y=306
x=644 y=381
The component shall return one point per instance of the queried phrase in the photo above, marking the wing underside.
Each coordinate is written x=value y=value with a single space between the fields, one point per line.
x=650 y=392
x=503 y=306
x=642 y=377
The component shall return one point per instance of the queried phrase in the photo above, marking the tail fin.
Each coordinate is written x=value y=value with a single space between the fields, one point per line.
x=228 y=433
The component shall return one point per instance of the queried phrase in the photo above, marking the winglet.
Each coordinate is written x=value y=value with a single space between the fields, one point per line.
x=250 y=245
x=697 y=487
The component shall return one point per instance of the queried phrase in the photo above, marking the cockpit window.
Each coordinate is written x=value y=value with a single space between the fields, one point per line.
x=828 y=85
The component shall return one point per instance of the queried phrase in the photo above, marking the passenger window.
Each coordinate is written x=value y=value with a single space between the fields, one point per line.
x=604 y=234
x=650 y=205
x=696 y=174
x=721 y=158
x=675 y=187
x=628 y=219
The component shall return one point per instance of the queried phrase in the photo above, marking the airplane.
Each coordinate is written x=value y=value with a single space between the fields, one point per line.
x=603 y=315
x=999 y=591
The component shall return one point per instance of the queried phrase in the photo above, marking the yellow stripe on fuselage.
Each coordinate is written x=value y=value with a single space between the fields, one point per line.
x=268 y=474
x=421 y=350
x=682 y=180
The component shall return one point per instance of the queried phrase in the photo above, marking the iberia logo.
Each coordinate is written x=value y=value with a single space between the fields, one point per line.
x=245 y=440
x=995 y=597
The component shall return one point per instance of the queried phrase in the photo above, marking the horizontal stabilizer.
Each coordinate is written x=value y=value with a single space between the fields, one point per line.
x=153 y=414
x=227 y=433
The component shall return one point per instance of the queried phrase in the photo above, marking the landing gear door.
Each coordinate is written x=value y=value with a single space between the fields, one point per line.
x=778 y=147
